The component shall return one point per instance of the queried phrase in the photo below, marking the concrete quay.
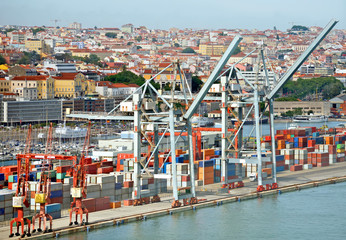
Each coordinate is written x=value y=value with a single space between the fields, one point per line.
x=211 y=195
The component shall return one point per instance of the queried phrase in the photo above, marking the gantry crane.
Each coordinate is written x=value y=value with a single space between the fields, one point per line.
x=42 y=195
x=21 y=198
x=78 y=191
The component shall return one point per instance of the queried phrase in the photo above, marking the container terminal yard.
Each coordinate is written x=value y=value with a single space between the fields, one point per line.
x=168 y=162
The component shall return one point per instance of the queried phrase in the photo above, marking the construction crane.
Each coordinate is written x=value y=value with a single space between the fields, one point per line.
x=55 y=21
x=20 y=200
x=78 y=191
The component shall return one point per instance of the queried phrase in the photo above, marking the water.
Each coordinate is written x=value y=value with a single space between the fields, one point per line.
x=315 y=213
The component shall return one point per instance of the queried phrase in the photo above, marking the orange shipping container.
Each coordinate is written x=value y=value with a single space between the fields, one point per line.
x=115 y=204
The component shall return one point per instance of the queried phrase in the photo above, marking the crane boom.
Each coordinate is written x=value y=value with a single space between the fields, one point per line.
x=302 y=58
x=213 y=76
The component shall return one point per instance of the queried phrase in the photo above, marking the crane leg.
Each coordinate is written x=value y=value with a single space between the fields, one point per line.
x=29 y=223
x=11 y=228
x=50 y=222
x=81 y=215
x=76 y=222
x=22 y=225
x=39 y=224
x=71 y=217
x=44 y=224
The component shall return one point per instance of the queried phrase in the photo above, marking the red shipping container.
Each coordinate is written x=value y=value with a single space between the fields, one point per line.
x=56 y=200
x=106 y=163
x=128 y=184
x=90 y=204
x=62 y=169
x=105 y=170
x=151 y=180
x=185 y=178
x=297 y=167
x=128 y=202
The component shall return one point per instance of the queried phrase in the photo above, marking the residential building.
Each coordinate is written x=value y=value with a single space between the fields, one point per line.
x=212 y=49
x=5 y=85
x=75 y=25
x=37 y=45
x=128 y=28
x=40 y=86
x=69 y=85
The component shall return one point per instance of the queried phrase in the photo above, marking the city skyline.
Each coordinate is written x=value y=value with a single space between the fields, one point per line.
x=182 y=14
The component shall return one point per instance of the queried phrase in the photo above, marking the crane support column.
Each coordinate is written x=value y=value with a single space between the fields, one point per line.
x=258 y=137
x=224 y=120
x=272 y=135
x=191 y=159
x=156 y=197
x=136 y=194
x=174 y=163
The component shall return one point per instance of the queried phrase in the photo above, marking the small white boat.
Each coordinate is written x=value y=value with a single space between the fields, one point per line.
x=310 y=118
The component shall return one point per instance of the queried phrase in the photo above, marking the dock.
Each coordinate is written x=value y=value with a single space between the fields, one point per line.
x=211 y=195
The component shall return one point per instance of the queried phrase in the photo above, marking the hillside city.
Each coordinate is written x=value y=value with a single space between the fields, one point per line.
x=47 y=73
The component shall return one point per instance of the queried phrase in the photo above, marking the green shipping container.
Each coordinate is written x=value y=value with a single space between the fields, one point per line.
x=60 y=175
x=340 y=146
x=11 y=178
x=52 y=174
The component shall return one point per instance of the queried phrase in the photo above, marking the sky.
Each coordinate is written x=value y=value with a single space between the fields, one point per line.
x=162 y=14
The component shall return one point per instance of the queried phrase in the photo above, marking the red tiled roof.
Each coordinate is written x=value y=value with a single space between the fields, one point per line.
x=30 y=78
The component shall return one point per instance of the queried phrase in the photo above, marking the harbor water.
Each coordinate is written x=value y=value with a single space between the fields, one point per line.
x=315 y=213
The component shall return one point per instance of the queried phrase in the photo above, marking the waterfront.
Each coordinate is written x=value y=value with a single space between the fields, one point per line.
x=316 y=213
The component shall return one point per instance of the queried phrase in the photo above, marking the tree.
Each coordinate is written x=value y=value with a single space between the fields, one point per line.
x=139 y=47
x=328 y=87
x=299 y=28
x=129 y=43
x=125 y=77
x=154 y=40
x=236 y=51
x=94 y=59
x=286 y=99
x=64 y=57
x=36 y=30
x=189 y=50
x=176 y=45
x=139 y=38
x=2 y=60
x=30 y=58
x=167 y=87
x=196 y=84
x=111 y=35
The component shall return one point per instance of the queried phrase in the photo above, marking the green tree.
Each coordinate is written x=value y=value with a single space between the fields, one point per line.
x=176 y=45
x=167 y=87
x=129 y=43
x=2 y=60
x=299 y=28
x=64 y=57
x=30 y=58
x=154 y=40
x=36 y=30
x=196 y=84
x=236 y=51
x=329 y=87
x=188 y=50
x=125 y=77
x=139 y=38
x=111 y=35
x=286 y=99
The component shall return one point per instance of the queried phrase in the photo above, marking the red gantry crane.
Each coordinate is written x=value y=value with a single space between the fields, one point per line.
x=42 y=195
x=79 y=184
x=20 y=200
